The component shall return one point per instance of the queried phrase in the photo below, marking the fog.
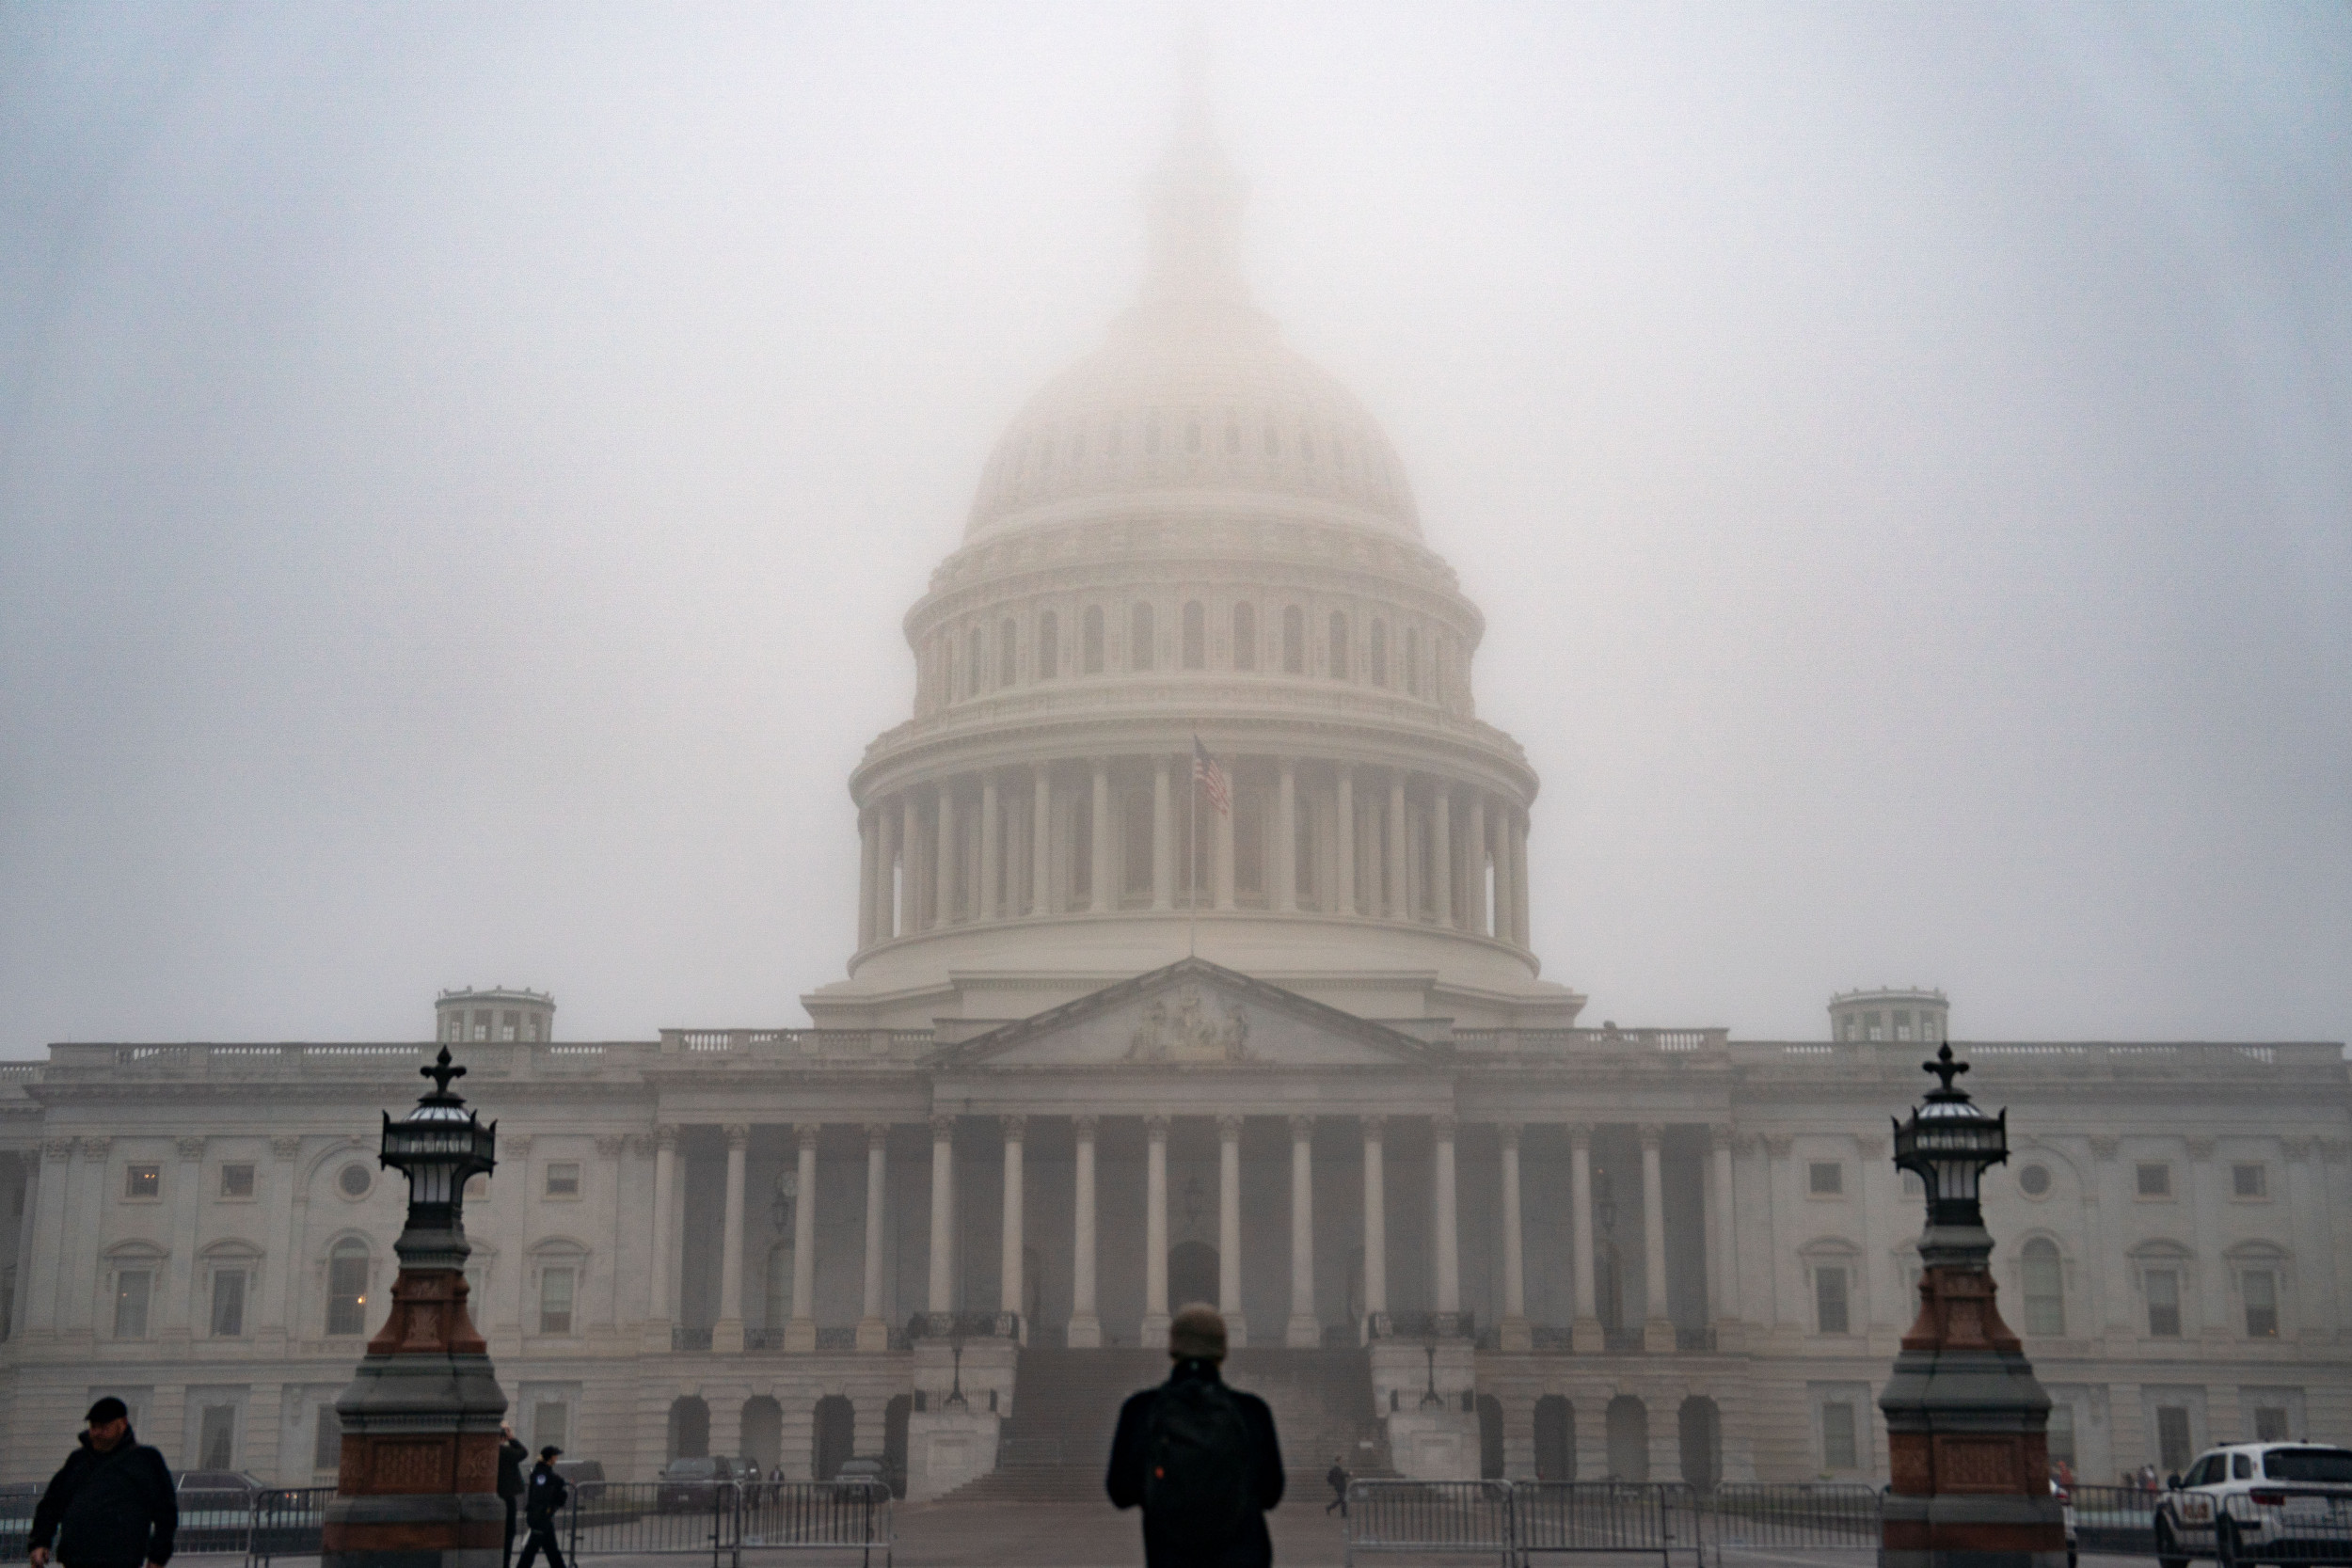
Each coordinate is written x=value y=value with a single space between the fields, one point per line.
x=462 y=473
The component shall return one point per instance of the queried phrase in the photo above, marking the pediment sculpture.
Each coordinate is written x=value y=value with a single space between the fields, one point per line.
x=1190 y=1030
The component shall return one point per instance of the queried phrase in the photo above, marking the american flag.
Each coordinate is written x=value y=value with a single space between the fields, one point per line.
x=1206 y=772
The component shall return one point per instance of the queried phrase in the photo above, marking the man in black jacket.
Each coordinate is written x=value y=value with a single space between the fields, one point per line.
x=546 y=1499
x=1199 y=1458
x=111 y=1505
x=511 y=1456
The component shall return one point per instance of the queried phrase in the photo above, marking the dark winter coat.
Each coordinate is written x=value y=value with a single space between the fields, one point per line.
x=548 y=1495
x=1131 y=1453
x=511 y=1456
x=106 y=1510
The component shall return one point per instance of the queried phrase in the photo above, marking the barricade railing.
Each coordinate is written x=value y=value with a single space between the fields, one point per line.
x=2117 y=1519
x=288 y=1522
x=1625 y=1518
x=1457 y=1518
x=727 y=1519
x=840 y=1517
x=2288 y=1525
x=1791 y=1515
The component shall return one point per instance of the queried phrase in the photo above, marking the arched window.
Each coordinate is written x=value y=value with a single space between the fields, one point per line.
x=1245 y=636
x=347 y=1286
x=1412 y=662
x=1139 y=638
x=1008 y=640
x=1048 y=646
x=1293 y=640
x=1091 y=641
x=974 y=665
x=1339 y=646
x=1195 y=635
x=1379 y=653
x=2046 y=1288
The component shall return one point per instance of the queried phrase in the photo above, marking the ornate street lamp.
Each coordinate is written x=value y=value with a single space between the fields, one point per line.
x=417 y=1486
x=1967 y=1421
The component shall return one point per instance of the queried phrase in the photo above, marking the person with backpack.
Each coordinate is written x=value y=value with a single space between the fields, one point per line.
x=545 y=1499
x=1336 y=1478
x=111 y=1504
x=1200 y=1459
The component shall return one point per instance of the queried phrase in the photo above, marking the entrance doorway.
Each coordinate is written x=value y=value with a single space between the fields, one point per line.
x=1191 y=1274
x=836 y=1436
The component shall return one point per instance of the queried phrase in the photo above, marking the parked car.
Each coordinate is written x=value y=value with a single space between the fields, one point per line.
x=585 y=1477
x=215 y=1508
x=2243 y=1502
x=692 y=1485
x=872 y=1471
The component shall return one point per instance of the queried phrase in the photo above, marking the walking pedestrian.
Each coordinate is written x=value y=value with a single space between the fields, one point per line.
x=110 y=1505
x=543 y=1501
x=511 y=1456
x=1199 y=1458
x=1337 y=1479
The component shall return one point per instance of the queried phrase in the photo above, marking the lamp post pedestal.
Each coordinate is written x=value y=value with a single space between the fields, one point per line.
x=1967 y=1422
x=417 y=1486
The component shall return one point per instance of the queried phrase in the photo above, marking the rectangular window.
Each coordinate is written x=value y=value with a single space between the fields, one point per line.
x=2061 y=1432
x=2155 y=1181
x=563 y=1179
x=510 y=1026
x=216 y=1438
x=347 y=1294
x=131 y=1289
x=1829 y=1299
x=326 y=1444
x=555 y=1301
x=1902 y=1025
x=1878 y=1027
x=2250 y=1180
x=2173 y=1448
x=1839 y=1450
x=2270 y=1423
x=236 y=1181
x=1828 y=1177
x=143 y=1182
x=228 y=1308
x=550 y=1422
x=2164 y=1303
x=2261 y=1290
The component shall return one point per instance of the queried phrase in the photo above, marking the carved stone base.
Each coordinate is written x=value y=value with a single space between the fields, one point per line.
x=872 y=1333
x=1303 y=1333
x=1657 y=1337
x=727 y=1335
x=1587 y=1338
x=1085 y=1332
x=799 y=1336
x=1154 y=1334
x=1514 y=1334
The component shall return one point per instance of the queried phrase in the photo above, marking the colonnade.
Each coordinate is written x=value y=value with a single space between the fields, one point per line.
x=1304 y=1326
x=1332 y=837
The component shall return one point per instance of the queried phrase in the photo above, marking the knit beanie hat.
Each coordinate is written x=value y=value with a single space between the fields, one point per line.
x=1197 y=1333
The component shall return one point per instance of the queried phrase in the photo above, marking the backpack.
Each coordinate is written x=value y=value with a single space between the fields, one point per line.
x=1199 y=1463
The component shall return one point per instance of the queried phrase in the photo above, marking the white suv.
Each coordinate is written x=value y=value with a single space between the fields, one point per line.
x=2259 y=1502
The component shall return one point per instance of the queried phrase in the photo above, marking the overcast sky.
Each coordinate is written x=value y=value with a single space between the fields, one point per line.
x=462 y=470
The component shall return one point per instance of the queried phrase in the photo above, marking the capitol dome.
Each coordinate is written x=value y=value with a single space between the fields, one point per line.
x=1195 y=394
x=1193 y=554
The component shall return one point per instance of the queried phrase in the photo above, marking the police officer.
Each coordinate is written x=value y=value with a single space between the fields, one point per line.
x=543 y=1500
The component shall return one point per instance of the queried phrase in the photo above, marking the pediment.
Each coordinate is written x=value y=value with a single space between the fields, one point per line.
x=1191 y=1015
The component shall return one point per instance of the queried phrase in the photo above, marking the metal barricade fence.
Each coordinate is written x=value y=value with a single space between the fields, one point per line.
x=649 y=1518
x=1430 y=1517
x=1780 y=1515
x=816 y=1515
x=1626 y=1518
x=2284 y=1526
x=287 y=1523
x=2118 y=1519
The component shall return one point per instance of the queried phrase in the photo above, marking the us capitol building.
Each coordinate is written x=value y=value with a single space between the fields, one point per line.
x=1113 y=1039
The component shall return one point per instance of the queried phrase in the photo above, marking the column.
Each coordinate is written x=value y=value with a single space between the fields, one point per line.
x=1585 y=1335
x=801 y=1333
x=1229 y=1229
x=1504 y=899
x=1375 y=1226
x=942 y=899
x=1475 y=913
x=188 y=1176
x=2213 y=1270
x=1518 y=878
x=1441 y=856
x=1162 y=838
x=1514 y=1331
x=1103 y=900
x=1086 y=1328
x=909 y=872
x=873 y=1331
x=1040 y=841
x=1400 y=885
x=1009 y=1267
x=1726 y=1230
x=869 y=832
x=1345 y=825
x=279 y=1319
x=991 y=836
x=1657 y=1329
x=658 y=1312
x=1286 y=837
x=1221 y=847
x=941 y=1298
x=1155 y=1232
x=1449 y=1216
x=727 y=1333
x=1305 y=1330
